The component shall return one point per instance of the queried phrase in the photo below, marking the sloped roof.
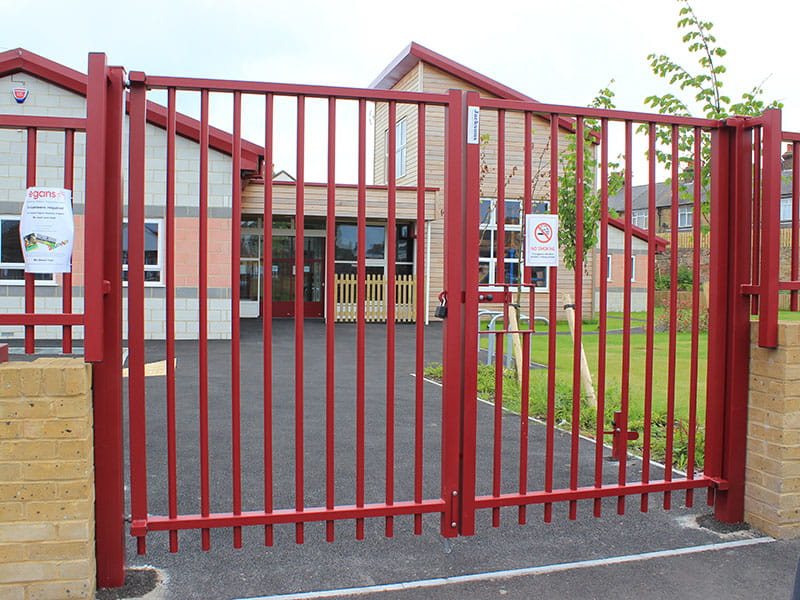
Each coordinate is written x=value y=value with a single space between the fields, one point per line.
x=639 y=233
x=415 y=53
x=20 y=60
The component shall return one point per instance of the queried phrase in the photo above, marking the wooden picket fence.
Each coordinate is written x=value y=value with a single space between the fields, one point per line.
x=375 y=309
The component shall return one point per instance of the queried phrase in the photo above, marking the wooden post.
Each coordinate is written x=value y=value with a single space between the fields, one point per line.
x=586 y=375
x=516 y=343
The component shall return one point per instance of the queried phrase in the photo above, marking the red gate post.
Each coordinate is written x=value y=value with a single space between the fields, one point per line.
x=729 y=316
x=770 y=230
x=103 y=309
x=453 y=327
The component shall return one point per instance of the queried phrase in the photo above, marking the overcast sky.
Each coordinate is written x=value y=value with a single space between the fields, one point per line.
x=558 y=52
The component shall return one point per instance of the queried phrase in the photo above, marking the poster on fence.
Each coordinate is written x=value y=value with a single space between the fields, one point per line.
x=46 y=230
x=541 y=240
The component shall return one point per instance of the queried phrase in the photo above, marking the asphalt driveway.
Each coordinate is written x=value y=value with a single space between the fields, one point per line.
x=585 y=558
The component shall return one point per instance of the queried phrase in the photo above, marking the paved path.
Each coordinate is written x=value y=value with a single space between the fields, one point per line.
x=536 y=560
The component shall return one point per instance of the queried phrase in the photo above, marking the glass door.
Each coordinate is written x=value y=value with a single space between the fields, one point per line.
x=283 y=276
x=251 y=267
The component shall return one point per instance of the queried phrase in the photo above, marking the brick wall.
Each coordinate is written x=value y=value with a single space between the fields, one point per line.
x=46 y=480
x=772 y=488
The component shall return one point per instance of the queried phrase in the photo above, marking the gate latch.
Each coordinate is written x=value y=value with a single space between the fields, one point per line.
x=616 y=436
x=441 y=310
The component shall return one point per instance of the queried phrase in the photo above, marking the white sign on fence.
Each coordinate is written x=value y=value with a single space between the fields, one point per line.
x=46 y=230
x=541 y=240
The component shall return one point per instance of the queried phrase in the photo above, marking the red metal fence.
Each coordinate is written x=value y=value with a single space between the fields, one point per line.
x=343 y=432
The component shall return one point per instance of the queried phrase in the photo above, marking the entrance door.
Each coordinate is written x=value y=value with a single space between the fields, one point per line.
x=283 y=274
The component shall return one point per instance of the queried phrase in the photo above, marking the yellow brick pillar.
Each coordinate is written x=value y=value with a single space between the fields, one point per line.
x=46 y=480
x=772 y=479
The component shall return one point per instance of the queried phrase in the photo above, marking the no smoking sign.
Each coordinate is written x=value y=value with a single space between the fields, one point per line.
x=541 y=240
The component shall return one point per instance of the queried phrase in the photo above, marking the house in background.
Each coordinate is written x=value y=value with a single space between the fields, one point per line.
x=615 y=266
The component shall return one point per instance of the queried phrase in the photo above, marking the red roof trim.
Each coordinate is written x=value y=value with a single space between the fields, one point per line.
x=414 y=53
x=20 y=60
x=638 y=232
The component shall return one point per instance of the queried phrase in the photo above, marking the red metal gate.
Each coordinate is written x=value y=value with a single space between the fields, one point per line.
x=490 y=160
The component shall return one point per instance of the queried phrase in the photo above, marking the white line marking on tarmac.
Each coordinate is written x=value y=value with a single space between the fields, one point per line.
x=507 y=574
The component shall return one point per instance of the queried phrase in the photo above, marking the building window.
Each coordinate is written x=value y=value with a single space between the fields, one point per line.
x=512 y=246
x=152 y=251
x=399 y=151
x=639 y=218
x=608 y=267
x=633 y=268
x=786 y=209
x=12 y=263
x=685 y=216
x=346 y=257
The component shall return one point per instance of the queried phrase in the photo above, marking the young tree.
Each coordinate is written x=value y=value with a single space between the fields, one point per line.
x=704 y=86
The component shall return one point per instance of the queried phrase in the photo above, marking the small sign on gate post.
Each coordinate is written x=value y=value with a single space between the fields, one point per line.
x=541 y=240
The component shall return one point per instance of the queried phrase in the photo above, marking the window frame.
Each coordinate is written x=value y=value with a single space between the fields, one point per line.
x=786 y=209
x=159 y=267
x=640 y=214
x=39 y=278
x=685 y=216
x=400 y=150
x=491 y=261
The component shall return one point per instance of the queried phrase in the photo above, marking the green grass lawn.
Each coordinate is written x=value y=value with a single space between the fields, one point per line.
x=636 y=375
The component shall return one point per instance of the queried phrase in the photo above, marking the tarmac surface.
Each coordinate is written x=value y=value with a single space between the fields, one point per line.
x=659 y=554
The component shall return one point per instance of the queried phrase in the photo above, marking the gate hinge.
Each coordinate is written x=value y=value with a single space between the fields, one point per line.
x=138 y=527
x=106 y=287
x=719 y=483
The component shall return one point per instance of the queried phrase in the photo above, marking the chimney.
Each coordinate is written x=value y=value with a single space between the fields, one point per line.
x=787 y=157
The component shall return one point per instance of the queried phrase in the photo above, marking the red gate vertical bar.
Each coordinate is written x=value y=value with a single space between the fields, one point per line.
x=622 y=425
x=421 y=300
x=453 y=357
x=103 y=330
x=673 y=312
x=526 y=283
x=650 y=329
x=169 y=242
x=770 y=238
x=330 y=322
x=202 y=341
x=603 y=319
x=66 y=283
x=30 y=280
x=552 y=280
x=695 y=343
x=470 y=230
x=499 y=346
x=578 y=309
x=236 y=236
x=266 y=314
x=361 y=277
x=299 y=316
x=136 y=326
x=389 y=299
